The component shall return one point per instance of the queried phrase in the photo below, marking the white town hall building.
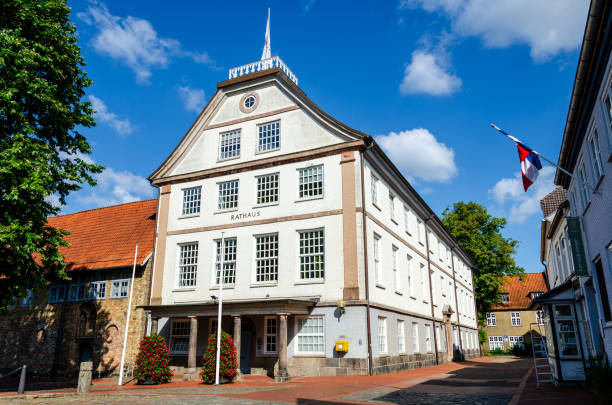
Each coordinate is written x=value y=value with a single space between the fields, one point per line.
x=334 y=265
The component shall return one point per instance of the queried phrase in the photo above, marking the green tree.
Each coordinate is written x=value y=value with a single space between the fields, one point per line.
x=41 y=150
x=479 y=234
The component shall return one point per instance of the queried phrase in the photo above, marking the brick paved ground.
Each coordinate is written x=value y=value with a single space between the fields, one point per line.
x=493 y=380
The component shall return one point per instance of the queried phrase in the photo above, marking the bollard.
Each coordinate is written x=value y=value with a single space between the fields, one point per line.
x=85 y=376
x=22 y=379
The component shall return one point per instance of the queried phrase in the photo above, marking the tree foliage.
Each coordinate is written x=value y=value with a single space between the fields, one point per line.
x=479 y=234
x=41 y=150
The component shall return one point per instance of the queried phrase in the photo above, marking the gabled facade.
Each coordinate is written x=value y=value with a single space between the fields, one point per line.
x=324 y=241
x=511 y=321
x=84 y=318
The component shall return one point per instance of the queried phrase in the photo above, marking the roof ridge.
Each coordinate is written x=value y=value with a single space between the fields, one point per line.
x=102 y=208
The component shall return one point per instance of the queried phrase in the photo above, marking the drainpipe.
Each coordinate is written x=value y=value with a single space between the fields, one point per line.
x=365 y=261
x=433 y=319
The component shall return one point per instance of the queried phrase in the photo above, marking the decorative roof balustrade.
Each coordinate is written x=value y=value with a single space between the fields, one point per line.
x=263 y=64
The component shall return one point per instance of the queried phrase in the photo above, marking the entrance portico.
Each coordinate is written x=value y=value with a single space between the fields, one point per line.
x=259 y=330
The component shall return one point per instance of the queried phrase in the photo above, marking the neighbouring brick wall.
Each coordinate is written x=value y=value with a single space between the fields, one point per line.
x=28 y=335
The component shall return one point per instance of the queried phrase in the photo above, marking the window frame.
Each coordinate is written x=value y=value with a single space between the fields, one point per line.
x=257 y=190
x=217 y=262
x=172 y=336
x=401 y=336
x=298 y=334
x=258 y=149
x=497 y=341
x=80 y=286
x=91 y=288
x=428 y=345
x=299 y=261
x=112 y=290
x=376 y=256
x=220 y=158
x=194 y=279
x=198 y=202
x=383 y=344
x=392 y=199
x=299 y=176
x=491 y=319
x=227 y=196
x=415 y=338
x=374 y=188
x=424 y=282
x=396 y=271
x=266 y=335
x=515 y=318
x=597 y=166
x=54 y=298
x=256 y=259
x=411 y=281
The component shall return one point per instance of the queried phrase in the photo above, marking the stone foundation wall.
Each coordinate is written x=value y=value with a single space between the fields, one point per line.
x=390 y=364
x=28 y=334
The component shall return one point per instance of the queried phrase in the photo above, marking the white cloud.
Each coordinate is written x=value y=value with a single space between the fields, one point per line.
x=115 y=188
x=193 y=99
x=547 y=27
x=514 y=202
x=418 y=154
x=134 y=41
x=122 y=126
x=426 y=75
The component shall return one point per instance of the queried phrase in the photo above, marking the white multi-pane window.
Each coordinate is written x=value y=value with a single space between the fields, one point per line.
x=401 y=337
x=595 y=156
x=434 y=298
x=428 y=338
x=310 y=335
x=448 y=257
x=267 y=189
x=268 y=136
x=415 y=338
x=382 y=335
x=179 y=336
x=270 y=335
x=377 y=262
x=438 y=337
x=192 y=198
x=97 y=290
x=229 y=261
x=491 y=320
x=310 y=181
x=496 y=342
x=120 y=288
x=410 y=276
x=583 y=184
x=229 y=144
x=266 y=258
x=312 y=254
x=424 y=293
x=212 y=326
x=77 y=292
x=374 y=189
x=228 y=195
x=609 y=106
x=407 y=221
x=540 y=317
x=442 y=286
x=187 y=265
x=516 y=341
x=421 y=231
x=396 y=273
x=515 y=318
x=392 y=206
x=57 y=293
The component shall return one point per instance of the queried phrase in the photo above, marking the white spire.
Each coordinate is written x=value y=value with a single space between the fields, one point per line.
x=267 y=50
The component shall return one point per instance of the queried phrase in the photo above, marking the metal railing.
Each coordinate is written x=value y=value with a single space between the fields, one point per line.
x=264 y=64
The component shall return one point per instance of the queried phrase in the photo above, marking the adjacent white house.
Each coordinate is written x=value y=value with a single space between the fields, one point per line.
x=333 y=264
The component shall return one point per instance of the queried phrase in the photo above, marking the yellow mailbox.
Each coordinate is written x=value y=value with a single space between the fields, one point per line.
x=342 y=346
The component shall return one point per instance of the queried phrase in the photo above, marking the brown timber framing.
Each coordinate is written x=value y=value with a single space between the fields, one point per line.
x=262 y=163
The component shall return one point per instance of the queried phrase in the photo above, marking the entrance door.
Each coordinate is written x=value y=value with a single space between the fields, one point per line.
x=246 y=337
x=84 y=352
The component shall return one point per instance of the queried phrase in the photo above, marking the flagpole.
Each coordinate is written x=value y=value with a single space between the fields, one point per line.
x=221 y=275
x=127 y=320
x=515 y=140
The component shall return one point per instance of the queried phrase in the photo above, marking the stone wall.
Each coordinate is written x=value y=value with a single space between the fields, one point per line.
x=28 y=334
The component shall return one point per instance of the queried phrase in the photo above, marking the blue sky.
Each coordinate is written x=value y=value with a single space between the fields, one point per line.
x=425 y=77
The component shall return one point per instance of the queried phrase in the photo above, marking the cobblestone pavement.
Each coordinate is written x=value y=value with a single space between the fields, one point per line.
x=482 y=381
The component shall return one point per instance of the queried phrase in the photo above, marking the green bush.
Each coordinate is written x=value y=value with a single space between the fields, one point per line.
x=599 y=375
x=153 y=360
x=497 y=352
x=228 y=363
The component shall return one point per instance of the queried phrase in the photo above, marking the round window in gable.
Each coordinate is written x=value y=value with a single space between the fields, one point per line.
x=249 y=102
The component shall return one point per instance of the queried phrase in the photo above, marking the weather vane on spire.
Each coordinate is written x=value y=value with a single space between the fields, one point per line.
x=267 y=50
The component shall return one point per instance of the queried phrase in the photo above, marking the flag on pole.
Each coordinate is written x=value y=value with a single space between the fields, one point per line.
x=530 y=164
x=267 y=50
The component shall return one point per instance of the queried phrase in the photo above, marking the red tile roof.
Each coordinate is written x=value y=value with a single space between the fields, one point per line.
x=519 y=289
x=106 y=237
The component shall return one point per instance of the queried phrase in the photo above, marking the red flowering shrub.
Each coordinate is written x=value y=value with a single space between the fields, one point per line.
x=152 y=361
x=228 y=364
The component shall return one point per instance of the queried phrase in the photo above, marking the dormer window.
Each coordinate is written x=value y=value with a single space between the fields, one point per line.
x=505 y=297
